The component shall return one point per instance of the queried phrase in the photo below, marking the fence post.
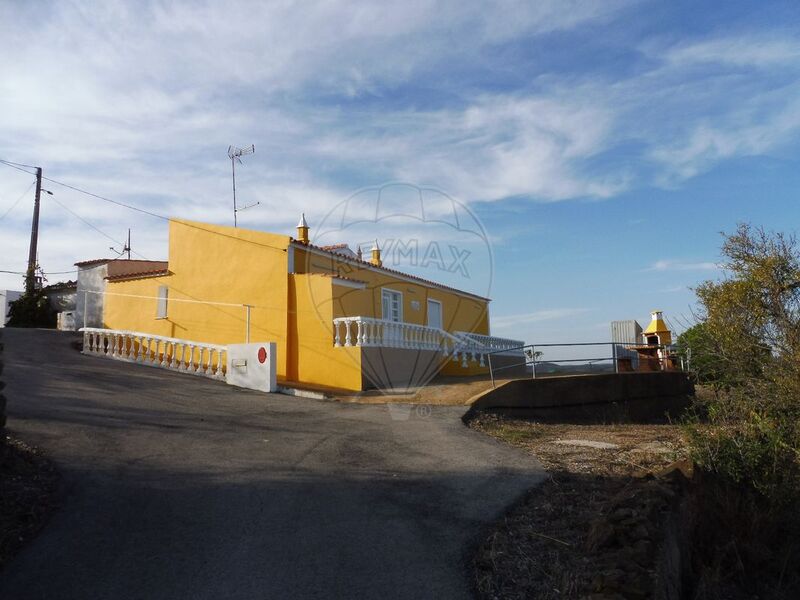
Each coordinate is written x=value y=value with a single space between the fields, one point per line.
x=491 y=372
x=533 y=365
x=614 y=357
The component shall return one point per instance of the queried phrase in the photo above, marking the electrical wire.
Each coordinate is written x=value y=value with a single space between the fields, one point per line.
x=88 y=224
x=18 y=166
x=134 y=208
x=5 y=214
x=104 y=199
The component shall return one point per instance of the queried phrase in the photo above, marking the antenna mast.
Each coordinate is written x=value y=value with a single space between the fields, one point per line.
x=235 y=154
x=126 y=247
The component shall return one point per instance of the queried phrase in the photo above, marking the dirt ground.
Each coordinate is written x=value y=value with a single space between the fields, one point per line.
x=29 y=485
x=592 y=530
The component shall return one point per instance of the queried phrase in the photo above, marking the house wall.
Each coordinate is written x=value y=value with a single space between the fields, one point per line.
x=211 y=264
x=459 y=312
x=312 y=357
x=91 y=278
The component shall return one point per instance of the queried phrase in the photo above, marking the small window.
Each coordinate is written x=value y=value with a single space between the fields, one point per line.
x=161 y=307
x=391 y=305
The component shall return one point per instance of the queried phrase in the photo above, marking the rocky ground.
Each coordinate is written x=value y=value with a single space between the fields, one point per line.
x=29 y=485
x=593 y=530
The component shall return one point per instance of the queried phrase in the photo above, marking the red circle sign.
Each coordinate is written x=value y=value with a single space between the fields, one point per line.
x=262 y=355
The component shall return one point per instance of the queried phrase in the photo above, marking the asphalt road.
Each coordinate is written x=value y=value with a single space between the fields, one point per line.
x=181 y=487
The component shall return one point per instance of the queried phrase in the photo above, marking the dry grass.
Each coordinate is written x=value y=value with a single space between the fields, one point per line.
x=552 y=544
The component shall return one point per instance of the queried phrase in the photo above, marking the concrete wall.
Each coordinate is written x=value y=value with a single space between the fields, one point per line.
x=399 y=368
x=63 y=300
x=91 y=278
x=6 y=298
x=589 y=394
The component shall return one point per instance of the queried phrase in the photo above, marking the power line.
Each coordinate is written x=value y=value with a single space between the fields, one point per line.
x=17 y=166
x=88 y=224
x=5 y=214
x=104 y=199
x=137 y=209
x=44 y=272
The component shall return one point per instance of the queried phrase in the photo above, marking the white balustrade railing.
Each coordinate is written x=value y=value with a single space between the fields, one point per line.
x=366 y=331
x=370 y=332
x=491 y=343
x=185 y=356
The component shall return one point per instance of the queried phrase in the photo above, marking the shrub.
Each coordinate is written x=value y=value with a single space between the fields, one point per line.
x=31 y=310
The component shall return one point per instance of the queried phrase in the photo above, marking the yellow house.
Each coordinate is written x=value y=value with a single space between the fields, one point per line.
x=338 y=320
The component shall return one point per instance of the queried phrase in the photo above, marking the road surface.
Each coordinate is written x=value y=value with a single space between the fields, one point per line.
x=176 y=486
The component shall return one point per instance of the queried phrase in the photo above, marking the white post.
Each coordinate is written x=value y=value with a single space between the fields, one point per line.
x=347 y=339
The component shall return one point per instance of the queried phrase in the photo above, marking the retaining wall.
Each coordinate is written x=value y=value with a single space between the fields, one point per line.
x=638 y=395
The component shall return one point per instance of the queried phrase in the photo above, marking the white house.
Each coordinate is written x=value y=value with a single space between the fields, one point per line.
x=6 y=298
x=92 y=278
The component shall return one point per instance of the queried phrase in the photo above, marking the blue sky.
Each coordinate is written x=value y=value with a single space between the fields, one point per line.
x=603 y=146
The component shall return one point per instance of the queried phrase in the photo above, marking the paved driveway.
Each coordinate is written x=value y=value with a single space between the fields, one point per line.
x=181 y=487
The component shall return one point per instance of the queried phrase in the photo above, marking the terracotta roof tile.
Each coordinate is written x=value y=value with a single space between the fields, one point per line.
x=138 y=275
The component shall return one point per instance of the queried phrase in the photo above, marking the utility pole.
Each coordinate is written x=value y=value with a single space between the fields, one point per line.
x=127 y=247
x=30 y=276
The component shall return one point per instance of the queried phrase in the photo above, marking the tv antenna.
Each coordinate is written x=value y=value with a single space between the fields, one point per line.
x=235 y=154
x=126 y=248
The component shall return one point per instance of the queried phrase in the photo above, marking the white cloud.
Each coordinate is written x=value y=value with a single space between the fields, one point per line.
x=740 y=50
x=537 y=316
x=677 y=265
x=138 y=102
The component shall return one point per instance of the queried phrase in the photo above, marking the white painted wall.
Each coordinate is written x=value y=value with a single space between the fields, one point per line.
x=90 y=279
x=252 y=366
x=6 y=298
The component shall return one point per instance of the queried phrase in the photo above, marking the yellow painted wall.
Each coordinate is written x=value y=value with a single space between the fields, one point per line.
x=312 y=356
x=459 y=312
x=212 y=263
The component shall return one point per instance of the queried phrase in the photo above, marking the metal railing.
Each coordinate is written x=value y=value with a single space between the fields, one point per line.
x=185 y=356
x=620 y=354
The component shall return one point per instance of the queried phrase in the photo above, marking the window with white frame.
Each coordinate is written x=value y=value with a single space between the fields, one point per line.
x=161 y=303
x=392 y=305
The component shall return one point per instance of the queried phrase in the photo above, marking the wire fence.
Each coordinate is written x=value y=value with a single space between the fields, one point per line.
x=583 y=358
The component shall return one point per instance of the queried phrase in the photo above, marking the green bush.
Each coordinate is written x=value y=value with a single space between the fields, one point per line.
x=31 y=310
x=748 y=347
